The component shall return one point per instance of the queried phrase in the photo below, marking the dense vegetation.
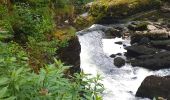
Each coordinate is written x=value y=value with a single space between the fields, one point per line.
x=31 y=31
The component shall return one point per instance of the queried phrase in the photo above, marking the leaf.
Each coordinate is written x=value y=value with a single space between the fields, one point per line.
x=3 y=81
x=19 y=70
x=10 y=98
x=3 y=92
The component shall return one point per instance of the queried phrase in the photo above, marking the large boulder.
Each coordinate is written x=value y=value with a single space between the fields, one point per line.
x=163 y=44
x=137 y=50
x=157 y=61
x=155 y=86
x=70 y=55
x=118 y=9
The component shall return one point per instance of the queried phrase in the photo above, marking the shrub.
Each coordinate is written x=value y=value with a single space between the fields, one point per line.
x=18 y=82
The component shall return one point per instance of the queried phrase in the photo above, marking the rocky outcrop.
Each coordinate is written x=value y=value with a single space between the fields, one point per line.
x=110 y=10
x=153 y=32
x=154 y=86
x=137 y=50
x=70 y=55
x=153 y=62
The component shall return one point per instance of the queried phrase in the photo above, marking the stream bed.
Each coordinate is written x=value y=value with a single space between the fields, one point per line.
x=120 y=83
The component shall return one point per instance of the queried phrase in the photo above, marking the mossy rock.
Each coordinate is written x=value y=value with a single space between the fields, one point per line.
x=83 y=22
x=118 y=9
x=138 y=26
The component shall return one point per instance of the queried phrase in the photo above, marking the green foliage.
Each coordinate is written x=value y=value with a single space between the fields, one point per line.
x=31 y=21
x=41 y=50
x=118 y=9
x=19 y=83
x=30 y=24
x=5 y=26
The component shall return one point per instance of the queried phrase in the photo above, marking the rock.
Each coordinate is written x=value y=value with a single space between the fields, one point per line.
x=111 y=9
x=112 y=33
x=157 y=61
x=113 y=56
x=119 y=54
x=82 y=22
x=155 y=34
x=154 y=86
x=119 y=42
x=70 y=55
x=144 y=40
x=137 y=50
x=163 y=44
x=151 y=27
x=119 y=62
x=138 y=26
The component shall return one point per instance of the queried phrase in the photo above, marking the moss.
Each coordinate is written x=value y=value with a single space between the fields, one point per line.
x=64 y=34
x=83 y=22
x=121 y=8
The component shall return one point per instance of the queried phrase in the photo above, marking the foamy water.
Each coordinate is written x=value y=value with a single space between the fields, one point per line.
x=120 y=83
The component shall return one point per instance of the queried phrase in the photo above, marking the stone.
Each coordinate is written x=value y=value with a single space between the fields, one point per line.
x=70 y=55
x=121 y=8
x=112 y=33
x=119 y=62
x=154 y=86
x=138 y=26
x=113 y=56
x=155 y=34
x=144 y=40
x=160 y=43
x=157 y=61
x=119 y=42
x=137 y=50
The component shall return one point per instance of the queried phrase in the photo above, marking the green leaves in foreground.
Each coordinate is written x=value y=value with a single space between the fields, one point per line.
x=19 y=83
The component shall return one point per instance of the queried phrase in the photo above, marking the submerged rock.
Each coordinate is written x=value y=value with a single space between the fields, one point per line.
x=119 y=62
x=113 y=56
x=154 y=86
x=119 y=42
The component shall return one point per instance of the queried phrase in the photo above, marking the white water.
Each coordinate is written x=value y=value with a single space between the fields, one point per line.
x=120 y=83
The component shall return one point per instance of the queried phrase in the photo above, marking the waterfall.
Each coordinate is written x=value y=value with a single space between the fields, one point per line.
x=120 y=83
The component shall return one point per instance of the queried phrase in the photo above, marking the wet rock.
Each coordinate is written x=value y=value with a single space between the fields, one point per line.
x=154 y=86
x=119 y=62
x=112 y=33
x=144 y=40
x=137 y=50
x=70 y=55
x=157 y=61
x=163 y=44
x=113 y=56
x=119 y=42
x=138 y=26
x=119 y=54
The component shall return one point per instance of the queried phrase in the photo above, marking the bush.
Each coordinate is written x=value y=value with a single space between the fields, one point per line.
x=18 y=82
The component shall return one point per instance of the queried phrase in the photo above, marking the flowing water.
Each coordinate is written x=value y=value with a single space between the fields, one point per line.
x=120 y=83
